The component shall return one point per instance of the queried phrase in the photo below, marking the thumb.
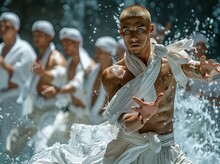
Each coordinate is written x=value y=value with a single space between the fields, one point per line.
x=159 y=98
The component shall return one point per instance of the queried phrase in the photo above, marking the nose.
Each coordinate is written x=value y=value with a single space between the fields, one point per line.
x=133 y=38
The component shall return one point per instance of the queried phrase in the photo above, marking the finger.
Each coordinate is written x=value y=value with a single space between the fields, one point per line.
x=137 y=100
x=202 y=59
x=136 y=109
x=159 y=98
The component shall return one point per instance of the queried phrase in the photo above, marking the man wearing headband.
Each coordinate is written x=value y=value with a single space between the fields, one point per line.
x=16 y=56
x=142 y=92
x=48 y=70
x=105 y=51
x=71 y=96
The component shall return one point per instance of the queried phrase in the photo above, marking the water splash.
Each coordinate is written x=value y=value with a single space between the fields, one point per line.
x=196 y=129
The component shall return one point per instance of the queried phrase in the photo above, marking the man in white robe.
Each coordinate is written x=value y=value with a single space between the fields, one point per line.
x=16 y=56
x=96 y=99
x=71 y=96
x=47 y=70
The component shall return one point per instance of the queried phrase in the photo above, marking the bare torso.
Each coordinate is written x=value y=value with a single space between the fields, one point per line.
x=162 y=121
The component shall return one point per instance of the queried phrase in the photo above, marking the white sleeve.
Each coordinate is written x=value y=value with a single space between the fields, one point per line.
x=22 y=67
x=77 y=81
x=59 y=73
x=3 y=79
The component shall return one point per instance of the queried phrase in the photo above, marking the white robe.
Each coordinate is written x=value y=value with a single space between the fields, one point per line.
x=40 y=112
x=20 y=56
x=120 y=103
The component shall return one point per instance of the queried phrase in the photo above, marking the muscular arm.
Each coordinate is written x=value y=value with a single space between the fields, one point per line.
x=56 y=59
x=202 y=69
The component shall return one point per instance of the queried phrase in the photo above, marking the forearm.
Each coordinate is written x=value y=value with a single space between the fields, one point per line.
x=66 y=89
x=192 y=70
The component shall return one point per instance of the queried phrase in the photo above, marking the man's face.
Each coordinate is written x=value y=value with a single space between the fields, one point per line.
x=7 y=30
x=136 y=34
x=41 y=39
x=70 y=47
x=102 y=56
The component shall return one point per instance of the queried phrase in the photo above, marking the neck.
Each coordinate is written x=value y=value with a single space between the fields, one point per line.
x=9 y=42
x=144 y=55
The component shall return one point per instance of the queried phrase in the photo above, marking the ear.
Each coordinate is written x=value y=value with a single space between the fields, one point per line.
x=151 y=27
x=120 y=31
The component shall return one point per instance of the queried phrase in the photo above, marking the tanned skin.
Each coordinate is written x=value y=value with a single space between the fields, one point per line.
x=156 y=116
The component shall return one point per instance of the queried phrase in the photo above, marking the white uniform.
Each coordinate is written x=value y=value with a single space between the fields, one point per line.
x=64 y=120
x=40 y=111
x=20 y=56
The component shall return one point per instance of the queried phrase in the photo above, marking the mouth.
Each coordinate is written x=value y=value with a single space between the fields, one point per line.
x=134 y=45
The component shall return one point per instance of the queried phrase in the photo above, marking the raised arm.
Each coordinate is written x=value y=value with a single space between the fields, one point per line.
x=202 y=70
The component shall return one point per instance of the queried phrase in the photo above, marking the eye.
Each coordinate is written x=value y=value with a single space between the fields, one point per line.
x=141 y=29
x=126 y=30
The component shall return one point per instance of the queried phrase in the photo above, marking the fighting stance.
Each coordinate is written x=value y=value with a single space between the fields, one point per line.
x=144 y=106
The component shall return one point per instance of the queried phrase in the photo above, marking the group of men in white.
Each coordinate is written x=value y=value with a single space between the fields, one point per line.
x=42 y=94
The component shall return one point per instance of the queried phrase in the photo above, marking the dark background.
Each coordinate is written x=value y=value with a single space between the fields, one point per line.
x=95 y=18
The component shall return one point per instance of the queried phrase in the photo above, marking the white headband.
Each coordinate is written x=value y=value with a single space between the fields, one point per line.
x=11 y=17
x=107 y=44
x=70 y=33
x=45 y=27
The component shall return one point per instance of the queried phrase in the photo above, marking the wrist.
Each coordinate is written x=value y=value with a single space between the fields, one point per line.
x=57 y=89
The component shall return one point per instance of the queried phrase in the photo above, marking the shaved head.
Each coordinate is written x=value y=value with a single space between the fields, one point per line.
x=136 y=11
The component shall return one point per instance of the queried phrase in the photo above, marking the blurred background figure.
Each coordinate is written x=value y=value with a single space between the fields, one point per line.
x=121 y=49
x=47 y=70
x=105 y=53
x=204 y=90
x=160 y=31
x=201 y=45
x=70 y=96
x=16 y=56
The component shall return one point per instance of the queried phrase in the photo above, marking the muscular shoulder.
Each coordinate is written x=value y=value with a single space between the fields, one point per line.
x=57 y=58
x=112 y=79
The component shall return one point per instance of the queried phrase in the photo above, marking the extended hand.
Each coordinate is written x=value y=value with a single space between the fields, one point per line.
x=147 y=109
x=207 y=67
